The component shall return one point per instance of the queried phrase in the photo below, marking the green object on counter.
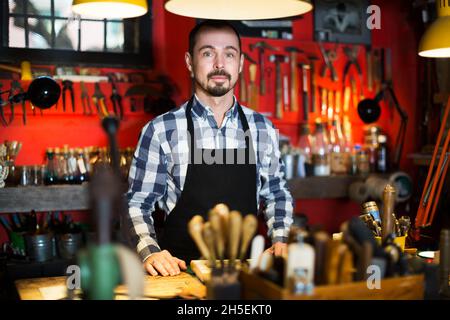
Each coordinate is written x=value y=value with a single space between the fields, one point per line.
x=100 y=271
x=18 y=242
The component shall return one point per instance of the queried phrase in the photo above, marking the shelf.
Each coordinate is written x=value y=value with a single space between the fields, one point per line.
x=44 y=198
x=332 y=187
x=76 y=197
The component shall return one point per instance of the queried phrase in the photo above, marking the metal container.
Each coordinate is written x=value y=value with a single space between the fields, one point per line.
x=40 y=246
x=69 y=244
x=372 y=209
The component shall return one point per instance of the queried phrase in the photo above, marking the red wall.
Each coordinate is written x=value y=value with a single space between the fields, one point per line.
x=170 y=34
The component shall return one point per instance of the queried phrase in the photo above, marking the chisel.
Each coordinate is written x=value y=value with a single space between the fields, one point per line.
x=195 y=227
x=249 y=226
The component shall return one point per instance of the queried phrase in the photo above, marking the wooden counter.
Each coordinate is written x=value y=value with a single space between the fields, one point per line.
x=54 y=288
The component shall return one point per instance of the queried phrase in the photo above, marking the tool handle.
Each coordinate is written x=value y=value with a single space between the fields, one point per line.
x=195 y=227
x=249 y=227
x=217 y=228
x=234 y=235
x=209 y=238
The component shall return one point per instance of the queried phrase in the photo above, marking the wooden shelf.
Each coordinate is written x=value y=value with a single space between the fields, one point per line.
x=332 y=187
x=76 y=197
x=44 y=198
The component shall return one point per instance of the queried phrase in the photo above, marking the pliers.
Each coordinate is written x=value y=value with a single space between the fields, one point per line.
x=328 y=56
x=85 y=99
x=99 y=101
x=116 y=99
x=17 y=89
x=352 y=56
x=68 y=86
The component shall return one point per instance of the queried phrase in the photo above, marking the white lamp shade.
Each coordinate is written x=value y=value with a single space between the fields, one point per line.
x=238 y=9
x=110 y=9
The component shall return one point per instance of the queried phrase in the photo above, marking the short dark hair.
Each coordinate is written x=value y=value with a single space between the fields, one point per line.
x=213 y=24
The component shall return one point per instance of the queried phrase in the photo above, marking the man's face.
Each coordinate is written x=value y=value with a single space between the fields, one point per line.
x=216 y=61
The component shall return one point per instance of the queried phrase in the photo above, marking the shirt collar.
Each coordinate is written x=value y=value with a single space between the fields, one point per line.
x=200 y=110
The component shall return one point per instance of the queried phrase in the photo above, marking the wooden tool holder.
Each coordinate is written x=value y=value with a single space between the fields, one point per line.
x=398 y=288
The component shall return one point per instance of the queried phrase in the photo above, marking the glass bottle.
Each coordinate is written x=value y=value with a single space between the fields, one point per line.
x=305 y=141
x=81 y=167
x=59 y=168
x=337 y=155
x=50 y=172
x=320 y=151
x=65 y=168
x=74 y=173
x=382 y=154
x=362 y=160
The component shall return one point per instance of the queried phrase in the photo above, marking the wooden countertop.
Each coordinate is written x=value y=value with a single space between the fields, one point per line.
x=183 y=285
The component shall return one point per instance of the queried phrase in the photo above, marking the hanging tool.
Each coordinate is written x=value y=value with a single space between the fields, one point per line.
x=278 y=59
x=329 y=56
x=68 y=86
x=352 y=60
x=262 y=46
x=99 y=100
x=243 y=93
x=252 y=88
x=306 y=69
x=293 y=51
x=312 y=80
x=85 y=101
x=17 y=89
x=369 y=61
x=324 y=103
x=116 y=100
x=2 y=113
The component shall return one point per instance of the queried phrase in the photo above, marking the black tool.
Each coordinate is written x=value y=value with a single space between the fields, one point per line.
x=68 y=86
x=17 y=90
x=352 y=57
x=116 y=100
x=328 y=57
x=86 y=103
x=2 y=113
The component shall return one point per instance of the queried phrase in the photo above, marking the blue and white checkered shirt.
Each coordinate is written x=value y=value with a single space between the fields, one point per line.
x=158 y=170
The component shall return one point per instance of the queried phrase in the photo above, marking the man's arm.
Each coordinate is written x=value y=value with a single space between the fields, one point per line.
x=274 y=192
x=147 y=184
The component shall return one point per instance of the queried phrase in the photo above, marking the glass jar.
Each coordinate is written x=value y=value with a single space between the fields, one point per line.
x=320 y=151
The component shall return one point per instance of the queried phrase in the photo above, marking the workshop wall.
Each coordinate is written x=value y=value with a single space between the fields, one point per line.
x=170 y=34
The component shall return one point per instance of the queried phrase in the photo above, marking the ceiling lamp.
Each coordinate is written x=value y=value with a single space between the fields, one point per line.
x=238 y=9
x=435 y=43
x=110 y=9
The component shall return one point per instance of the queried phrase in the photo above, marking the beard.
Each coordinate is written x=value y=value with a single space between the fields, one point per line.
x=218 y=89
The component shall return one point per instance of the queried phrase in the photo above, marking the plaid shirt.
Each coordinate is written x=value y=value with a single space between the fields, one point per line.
x=158 y=170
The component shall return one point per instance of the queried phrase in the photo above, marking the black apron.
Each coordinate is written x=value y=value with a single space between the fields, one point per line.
x=207 y=185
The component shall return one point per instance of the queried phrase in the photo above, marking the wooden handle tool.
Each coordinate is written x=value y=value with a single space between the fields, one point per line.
x=224 y=213
x=216 y=225
x=248 y=230
x=195 y=227
x=208 y=237
x=234 y=235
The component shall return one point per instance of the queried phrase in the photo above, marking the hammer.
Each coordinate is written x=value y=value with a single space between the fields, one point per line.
x=262 y=46
x=293 y=51
x=278 y=59
x=243 y=94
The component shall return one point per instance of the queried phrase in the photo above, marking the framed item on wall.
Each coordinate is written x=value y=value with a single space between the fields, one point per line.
x=341 y=21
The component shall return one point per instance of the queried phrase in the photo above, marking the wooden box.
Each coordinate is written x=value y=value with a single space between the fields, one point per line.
x=399 y=288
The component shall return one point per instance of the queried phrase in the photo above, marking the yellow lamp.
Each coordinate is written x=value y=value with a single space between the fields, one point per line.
x=435 y=43
x=110 y=9
x=238 y=9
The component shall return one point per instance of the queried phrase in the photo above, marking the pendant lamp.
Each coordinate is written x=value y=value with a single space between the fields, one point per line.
x=238 y=9
x=435 y=43
x=110 y=9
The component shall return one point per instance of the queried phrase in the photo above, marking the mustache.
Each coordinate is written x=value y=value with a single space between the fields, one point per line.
x=219 y=73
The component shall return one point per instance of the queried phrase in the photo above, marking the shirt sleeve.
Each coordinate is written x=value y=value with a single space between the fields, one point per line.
x=274 y=193
x=147 y=185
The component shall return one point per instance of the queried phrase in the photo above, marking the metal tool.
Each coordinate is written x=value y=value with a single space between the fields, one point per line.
x=293 y=51
x=278 y=59
x=16 y=88
x=99 y=100
x=116 y=100
x=262 y=46
x=328 y=57
x=306 y=69
x=352 y=60
x=85 y=101
x=68 y=86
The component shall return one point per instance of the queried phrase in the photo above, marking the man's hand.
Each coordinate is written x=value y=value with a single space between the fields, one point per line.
x=164 y=263
x=278 y=249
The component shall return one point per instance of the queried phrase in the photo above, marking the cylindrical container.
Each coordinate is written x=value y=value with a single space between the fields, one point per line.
x=444 y=262
x=25 y=176
x=387 y=224
x=69 y=244
x=372 y=209
x=39 y=246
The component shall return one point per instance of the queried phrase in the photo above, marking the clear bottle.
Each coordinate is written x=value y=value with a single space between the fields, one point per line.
x=50 y=172
x=337 y=154
x=66 y=177
x=382 y=154
x=320 y=151
x=81 y=167
x=305 y=142
x=74 y=173
x=288 y=160
x=58 y=162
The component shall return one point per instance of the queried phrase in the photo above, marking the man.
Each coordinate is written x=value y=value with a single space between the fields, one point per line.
x=167 y=168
